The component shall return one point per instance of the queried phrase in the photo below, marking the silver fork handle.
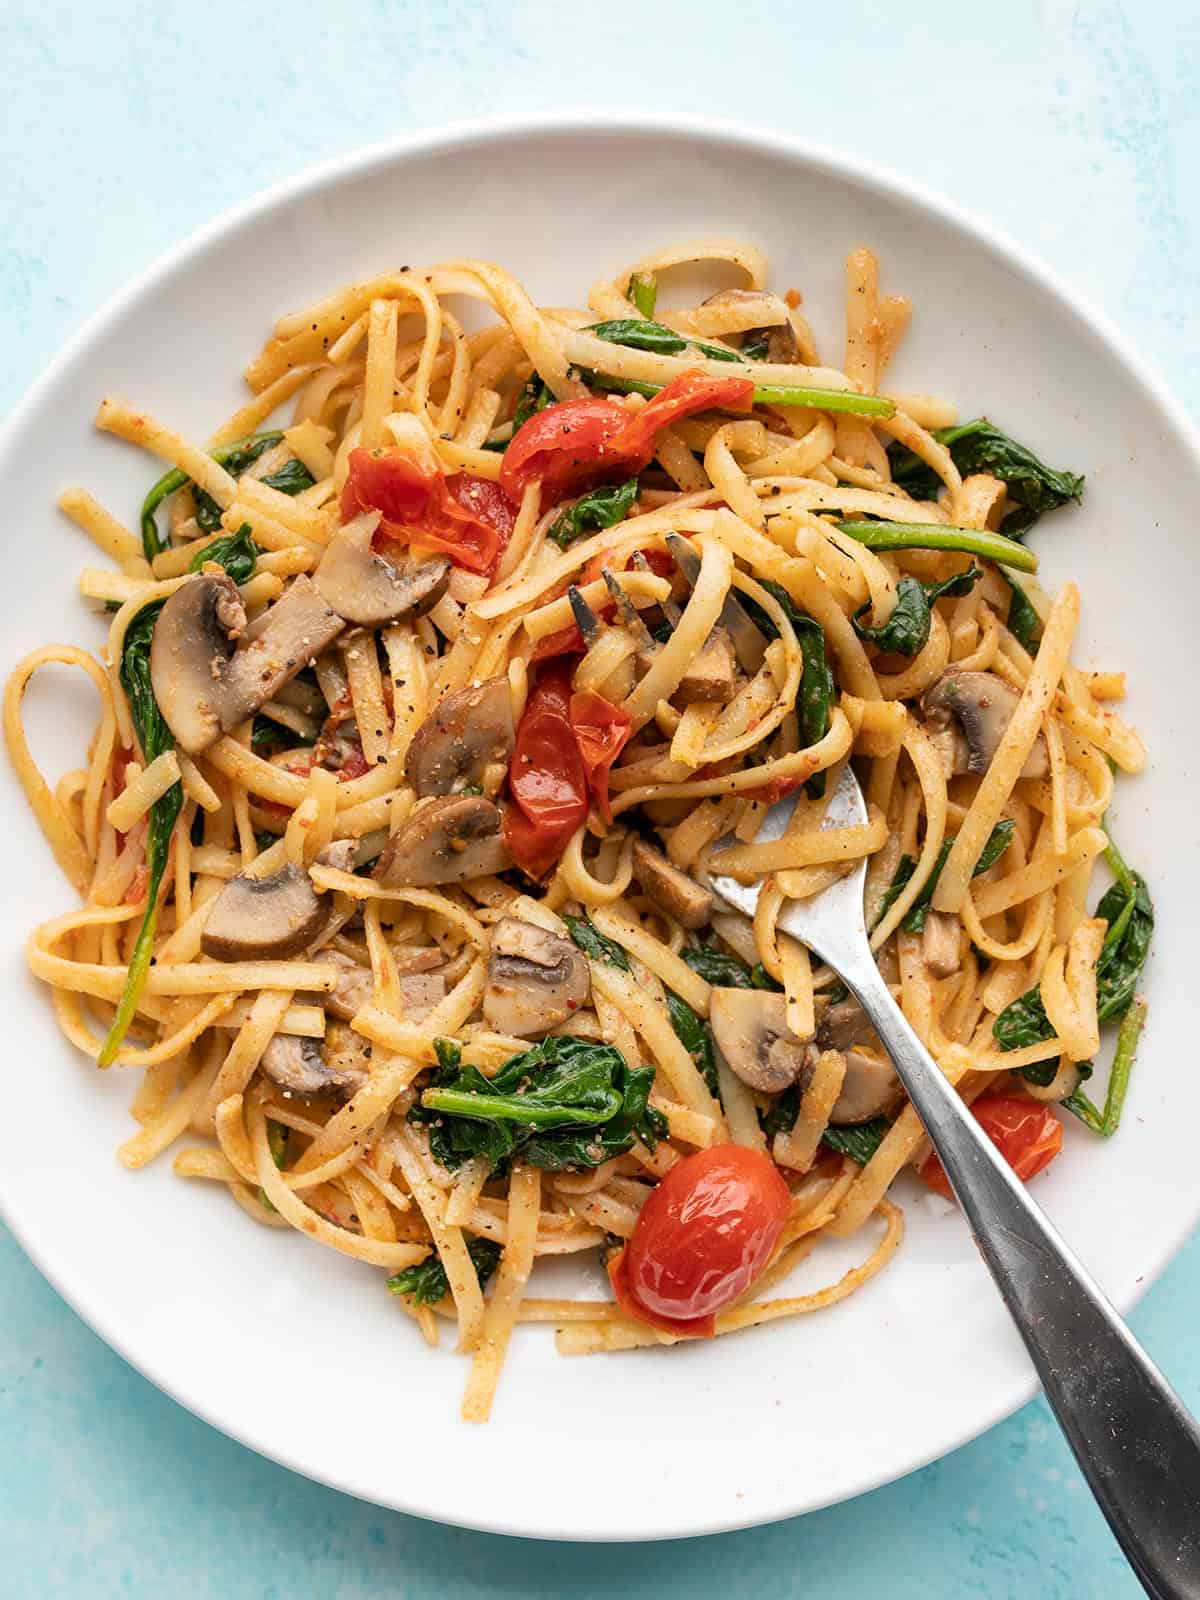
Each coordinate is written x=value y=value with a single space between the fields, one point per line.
x=1134 y=1440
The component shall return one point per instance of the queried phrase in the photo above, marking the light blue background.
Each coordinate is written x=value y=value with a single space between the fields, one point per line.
x=129 y=122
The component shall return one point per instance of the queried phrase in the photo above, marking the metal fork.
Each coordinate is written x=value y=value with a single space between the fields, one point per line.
x=1134 y=1440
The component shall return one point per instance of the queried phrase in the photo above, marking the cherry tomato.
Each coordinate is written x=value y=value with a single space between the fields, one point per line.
x=564 y=446
x=467 y=518
x=577 y=442
x=392 y=482
x=703 y=1236
x=546 y=776
x=683 y=397
x=1027 y=1134
x=602 y=731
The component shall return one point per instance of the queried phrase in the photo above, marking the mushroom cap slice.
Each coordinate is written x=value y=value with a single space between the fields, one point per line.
x=282 y=642
x=712 y=675
x=680 y=897
x=870 y=1087
x=258 y=919
x=354 y=985
x=941 y=943
x=466 y=739
x=750 y=1029
x=444 y=841
x=306 y=1067
x=420 y=993
x=535 y=979
x=194 y=641
x=367 y=588
x=983 y=705
x=843 y=1025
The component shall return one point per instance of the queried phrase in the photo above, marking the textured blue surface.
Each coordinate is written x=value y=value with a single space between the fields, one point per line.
x=131 y=121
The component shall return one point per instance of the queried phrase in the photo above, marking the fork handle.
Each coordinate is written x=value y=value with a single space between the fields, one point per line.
x=1135 y=1442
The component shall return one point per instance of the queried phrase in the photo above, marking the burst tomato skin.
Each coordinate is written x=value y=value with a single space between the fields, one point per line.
x=469 y=519
x=577 y=442
x=703 y=1236
x=564 y=446
x=546 y=775
x=683 y=397
x=602 y=731
x=1027 y=1134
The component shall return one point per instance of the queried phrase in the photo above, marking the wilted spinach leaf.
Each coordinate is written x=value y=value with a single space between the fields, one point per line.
x=979 y=446
x=818 y=690
x=564 y=1102
x=427 y=1282
x=155 y=737
x=906 y=631
x=594 y=944
x=236 y=552
x=693 y=1034
x=599 y=508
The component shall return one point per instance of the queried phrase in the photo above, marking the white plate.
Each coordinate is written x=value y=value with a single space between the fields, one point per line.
x=300 y=1353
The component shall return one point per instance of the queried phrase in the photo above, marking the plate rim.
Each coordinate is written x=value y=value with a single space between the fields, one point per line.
x=448 y=137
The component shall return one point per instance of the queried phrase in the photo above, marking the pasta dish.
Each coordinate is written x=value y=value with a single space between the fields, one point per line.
x=438 y=687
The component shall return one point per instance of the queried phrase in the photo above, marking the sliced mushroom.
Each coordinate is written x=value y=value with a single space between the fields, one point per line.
x=340 y=854
x=286 y=638
x=712 y=674
x=368 y=588
x=308 y=1067
x=941 y=943
x=257 y=919
x=467 y=739
x=750 y=1029
x=354 y=985
x=781 y=342
x=194 y=640
x=444 y=841
x=870 y=1087
x=420 y=992
x=535 y=979
x=210 y=671
x=680 y=897
x=983 y=705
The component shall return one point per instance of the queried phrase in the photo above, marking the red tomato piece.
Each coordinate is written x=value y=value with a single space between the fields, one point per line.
x=774 y=791
x=391 y=482
x=683 y=397
x=1027 y=1134
x=578 y=442
x=602 y=731
x=564 y=446
x=467 y=518
x=702 y=1238
x=566 y=642
x=546 y=776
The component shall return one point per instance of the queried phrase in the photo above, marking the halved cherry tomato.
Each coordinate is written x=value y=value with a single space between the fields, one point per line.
x=577 y=442
x=545 y=776
x=564 y=446
x=703 y=1236
x=1027 y=1134
x=602 y=731
x=683 y=397
x=392 y=482
x=467 y=518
